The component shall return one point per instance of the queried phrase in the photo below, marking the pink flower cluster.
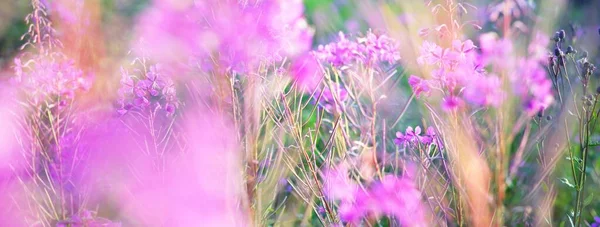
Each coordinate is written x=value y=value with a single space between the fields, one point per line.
x=51 y=80
x=527 y=75
x=238 y=35
x=393 y=196
x=458 y=73
x=370 y=49
x=151 y=89
x=413 y=137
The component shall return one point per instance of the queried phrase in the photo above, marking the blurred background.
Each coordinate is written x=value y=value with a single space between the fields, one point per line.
x=116 y=18
x=104 y=36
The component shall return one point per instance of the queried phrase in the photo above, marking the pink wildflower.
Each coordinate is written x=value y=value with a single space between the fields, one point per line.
x=418 y=85
x=413 y=137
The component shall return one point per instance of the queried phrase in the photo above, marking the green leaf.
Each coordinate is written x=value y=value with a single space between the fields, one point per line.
x=588 y=200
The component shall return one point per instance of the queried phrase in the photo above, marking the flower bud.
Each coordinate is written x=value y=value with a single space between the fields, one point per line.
x=598 y=90
x=549 y=118
x=571 y=50
x=590 y=97
x=562 y=34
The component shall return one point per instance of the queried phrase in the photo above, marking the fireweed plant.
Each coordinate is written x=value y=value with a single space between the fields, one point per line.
x=230 y=115
x=49 y=129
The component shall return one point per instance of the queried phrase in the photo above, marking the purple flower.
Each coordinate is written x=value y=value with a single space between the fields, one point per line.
x=413 y=137
x=150 y=89
x=430 y=136
x=378 y=48
x=596 y=222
